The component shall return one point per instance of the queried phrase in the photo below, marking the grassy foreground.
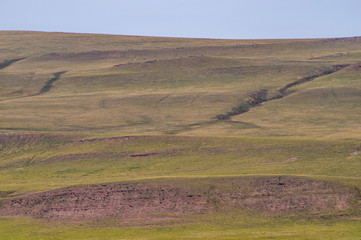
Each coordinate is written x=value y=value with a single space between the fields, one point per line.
x=220 y=227
x=78 y=109
x=38 y=162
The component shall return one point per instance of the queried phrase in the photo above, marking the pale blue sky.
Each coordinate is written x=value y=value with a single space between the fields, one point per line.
x=242 y=19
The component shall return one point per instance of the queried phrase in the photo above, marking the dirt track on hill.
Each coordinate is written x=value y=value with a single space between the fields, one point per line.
x=132 y=200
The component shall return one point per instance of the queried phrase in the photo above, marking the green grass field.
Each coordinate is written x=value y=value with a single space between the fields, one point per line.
x=80 y=109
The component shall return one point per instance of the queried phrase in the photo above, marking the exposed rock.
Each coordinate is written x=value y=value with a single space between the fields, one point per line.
x=274 y=194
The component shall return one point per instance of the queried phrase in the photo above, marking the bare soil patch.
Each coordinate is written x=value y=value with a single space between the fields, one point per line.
x=120 y=200
x=134 y=200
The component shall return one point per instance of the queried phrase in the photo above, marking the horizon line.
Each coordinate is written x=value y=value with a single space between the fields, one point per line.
x=203 y=38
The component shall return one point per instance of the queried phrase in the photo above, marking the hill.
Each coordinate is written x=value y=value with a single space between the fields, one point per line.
x=121 y=137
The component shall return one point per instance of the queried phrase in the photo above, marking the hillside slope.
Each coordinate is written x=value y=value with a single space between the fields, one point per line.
x=138 y=85
x=126 y=137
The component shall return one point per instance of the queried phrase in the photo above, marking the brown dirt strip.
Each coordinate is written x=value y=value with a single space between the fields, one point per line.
x=268 y=194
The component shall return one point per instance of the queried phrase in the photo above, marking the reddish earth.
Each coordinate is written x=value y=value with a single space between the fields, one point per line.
x=121 y=200
x=134 y=200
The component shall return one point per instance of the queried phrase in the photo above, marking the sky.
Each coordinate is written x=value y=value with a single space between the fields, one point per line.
x=228 y=19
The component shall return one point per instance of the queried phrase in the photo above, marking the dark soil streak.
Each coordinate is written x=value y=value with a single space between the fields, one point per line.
x=162 y=99
x=49 y=84
x=104 y=139
x=258 y=97
x=255 y=99
x=46 y=88
x=7 y=63
x=327 y=71
x=156 y=153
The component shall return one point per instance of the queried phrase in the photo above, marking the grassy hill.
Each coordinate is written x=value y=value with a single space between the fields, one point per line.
x=125 y=137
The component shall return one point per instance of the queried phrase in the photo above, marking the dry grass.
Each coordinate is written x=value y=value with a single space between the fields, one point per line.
x=158 y=90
